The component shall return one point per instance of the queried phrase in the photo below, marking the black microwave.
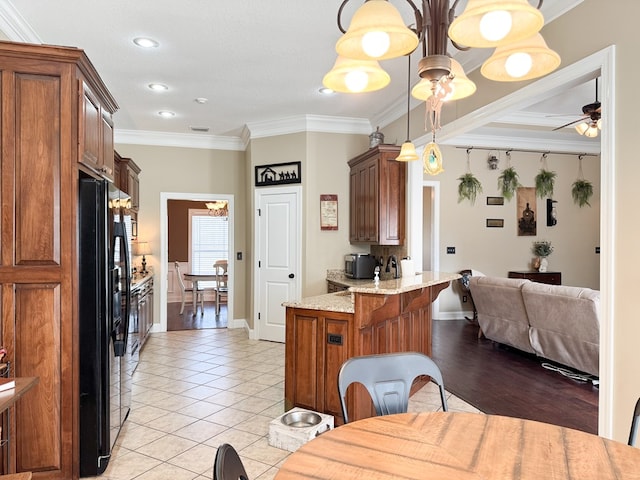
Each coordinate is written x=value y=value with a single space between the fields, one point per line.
x=359 y=265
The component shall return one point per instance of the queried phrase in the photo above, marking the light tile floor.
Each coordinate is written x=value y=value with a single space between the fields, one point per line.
x=196 y=389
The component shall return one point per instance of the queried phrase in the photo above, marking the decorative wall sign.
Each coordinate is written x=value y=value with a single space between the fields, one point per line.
x=495 y=222
x=495 y=200
x=278 y=174
x=526 y=213
x=328 y=212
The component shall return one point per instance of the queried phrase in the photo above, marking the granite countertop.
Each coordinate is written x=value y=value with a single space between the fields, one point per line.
x=343 y=301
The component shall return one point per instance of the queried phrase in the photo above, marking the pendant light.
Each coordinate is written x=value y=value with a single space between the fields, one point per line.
x=461 y=86
x=408 y=151
x=490 y=23
x=377 y=32
x=523 y=60
x=355 y=76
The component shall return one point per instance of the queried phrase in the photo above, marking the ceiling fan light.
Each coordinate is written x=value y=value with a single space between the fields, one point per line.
x=599 y=124
x=381 y=17
x=407 y=153
x=582 y=128
x=543 y=60
x=461 y=86
x=592 y=131
x=347 y=76
x=526 y=21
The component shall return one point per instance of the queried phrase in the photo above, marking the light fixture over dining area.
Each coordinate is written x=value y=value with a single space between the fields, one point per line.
x=377 y=32
x=218 y=208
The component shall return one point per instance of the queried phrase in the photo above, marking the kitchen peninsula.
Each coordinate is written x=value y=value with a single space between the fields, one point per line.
x=368 y=318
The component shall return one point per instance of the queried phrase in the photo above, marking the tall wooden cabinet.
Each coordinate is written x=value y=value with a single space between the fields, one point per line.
x=56 y=120
x=377 y=185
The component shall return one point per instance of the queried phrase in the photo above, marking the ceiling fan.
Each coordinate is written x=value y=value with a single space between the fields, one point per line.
x=590 y=121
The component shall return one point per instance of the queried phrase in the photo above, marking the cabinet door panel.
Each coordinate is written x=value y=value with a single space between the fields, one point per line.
x=89 y=124
x=335 y=354
x=37 y=144
x=305 y=360
x=106 y=156
x=37 y=354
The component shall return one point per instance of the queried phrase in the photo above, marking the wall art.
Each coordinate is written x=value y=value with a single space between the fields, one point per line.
x=278 y=174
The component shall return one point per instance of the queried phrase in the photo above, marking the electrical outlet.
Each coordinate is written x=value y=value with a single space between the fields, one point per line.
x=464 y=299
x=597 y=250
x=451 y=250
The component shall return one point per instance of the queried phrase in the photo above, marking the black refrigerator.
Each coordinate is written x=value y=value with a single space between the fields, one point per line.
x=104 y=306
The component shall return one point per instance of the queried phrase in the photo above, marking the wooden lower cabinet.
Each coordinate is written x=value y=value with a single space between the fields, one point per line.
x=318 y=342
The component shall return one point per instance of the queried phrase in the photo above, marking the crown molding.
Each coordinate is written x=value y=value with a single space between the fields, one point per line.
x=14 y=26
x=308 y=123
x=186 y=140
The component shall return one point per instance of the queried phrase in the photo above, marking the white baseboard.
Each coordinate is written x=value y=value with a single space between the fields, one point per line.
x=453 y=315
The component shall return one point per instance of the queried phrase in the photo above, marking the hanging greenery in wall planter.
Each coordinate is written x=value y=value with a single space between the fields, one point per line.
x=469 y=186
x=582 y=190
x=508 y=180
x=544 y=183
x=545 y=180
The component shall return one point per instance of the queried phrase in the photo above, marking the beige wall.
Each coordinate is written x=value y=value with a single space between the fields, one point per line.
x=191 y=170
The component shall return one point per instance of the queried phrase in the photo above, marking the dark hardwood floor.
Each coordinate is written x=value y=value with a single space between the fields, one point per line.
x=504 y=381
x=187 y=321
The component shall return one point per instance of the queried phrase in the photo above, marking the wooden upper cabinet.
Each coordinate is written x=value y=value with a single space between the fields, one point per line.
x=377 y=185
x=95 y=134
x=129 y=182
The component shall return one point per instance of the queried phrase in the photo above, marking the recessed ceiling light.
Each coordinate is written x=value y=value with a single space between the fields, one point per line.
x=166 y=114
x=145 y=42
x=158 y=87
x=326 y=91
x=201 y=100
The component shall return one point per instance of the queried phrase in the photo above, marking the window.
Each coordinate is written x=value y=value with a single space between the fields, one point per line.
x=209 y=241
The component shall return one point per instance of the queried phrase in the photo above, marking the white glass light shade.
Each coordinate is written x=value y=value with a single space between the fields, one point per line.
x=582 y=127
x=461 y=86
x=496 y=25
x=587 y=129
x=407 y=153
x=591 y=132
x=526 y=20
x=543 y=60
x=346 y=73
x=378 y=16
x=432 y=159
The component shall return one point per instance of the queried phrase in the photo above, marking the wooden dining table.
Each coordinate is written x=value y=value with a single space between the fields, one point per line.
x=195 y=278
x=459 y=446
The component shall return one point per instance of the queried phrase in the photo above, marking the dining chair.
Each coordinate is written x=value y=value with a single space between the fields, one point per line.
x=388 y=378
x=184 y=290
x=228 y=465
x=635 y=425
x=221 y=288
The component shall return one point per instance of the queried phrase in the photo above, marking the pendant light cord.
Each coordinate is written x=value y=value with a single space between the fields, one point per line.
x=408 y=92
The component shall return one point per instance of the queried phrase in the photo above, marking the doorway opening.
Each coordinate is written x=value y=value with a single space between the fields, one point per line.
x=195 y=238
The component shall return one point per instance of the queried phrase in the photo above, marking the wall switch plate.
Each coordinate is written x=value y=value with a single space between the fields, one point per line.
x=239 y=256
x=597 y=250
x=464 y=299
x=451 y=250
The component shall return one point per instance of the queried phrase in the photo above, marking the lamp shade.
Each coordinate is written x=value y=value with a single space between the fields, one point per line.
x=461 y=86
x=354 y=76
x=377 y=32
x=141 y=248
x=523 y=60
x=490 y=23
x=407 y=153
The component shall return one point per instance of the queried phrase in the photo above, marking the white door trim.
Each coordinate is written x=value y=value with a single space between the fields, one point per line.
x=164 y=249
x=297 y=190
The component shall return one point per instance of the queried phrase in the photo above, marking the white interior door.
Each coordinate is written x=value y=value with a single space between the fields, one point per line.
x=279 y=258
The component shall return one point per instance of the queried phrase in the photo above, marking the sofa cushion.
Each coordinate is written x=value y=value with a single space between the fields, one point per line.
x=565 y=324
x=501 y=311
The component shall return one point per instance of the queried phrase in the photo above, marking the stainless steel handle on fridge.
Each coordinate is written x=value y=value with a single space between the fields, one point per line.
x=120 y=341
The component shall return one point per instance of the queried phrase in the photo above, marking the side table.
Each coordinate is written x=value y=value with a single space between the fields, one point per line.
x=551 y=278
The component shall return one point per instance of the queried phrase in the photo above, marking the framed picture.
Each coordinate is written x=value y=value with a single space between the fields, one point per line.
x=278 y=174
x=495 y=200
x=526 y=213
x=328 y=212
x=495 y=222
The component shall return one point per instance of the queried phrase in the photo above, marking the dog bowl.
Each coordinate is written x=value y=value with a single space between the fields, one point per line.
x=301 y=419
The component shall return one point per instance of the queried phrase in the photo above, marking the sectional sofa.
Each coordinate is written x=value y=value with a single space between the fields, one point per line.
x=555 y=322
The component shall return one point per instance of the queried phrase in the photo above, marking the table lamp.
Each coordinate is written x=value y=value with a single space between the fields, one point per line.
x=142 y=248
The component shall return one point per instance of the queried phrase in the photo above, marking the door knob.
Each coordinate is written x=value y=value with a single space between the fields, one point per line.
x=291 y=275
